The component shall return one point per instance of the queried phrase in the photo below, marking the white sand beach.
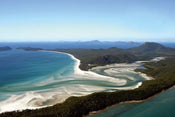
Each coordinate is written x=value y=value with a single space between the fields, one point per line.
x=81 y=83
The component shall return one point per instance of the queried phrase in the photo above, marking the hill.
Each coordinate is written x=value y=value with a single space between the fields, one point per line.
x=151 y=47
x=95 y=57
x=80 y=106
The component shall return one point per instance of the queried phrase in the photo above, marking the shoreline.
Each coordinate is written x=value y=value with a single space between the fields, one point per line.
x=76 y=68
x=127 y=102
x=162 y=88
x=78 y=71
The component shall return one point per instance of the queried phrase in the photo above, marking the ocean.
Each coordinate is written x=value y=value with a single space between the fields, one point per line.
x=35 y=79
x=161 y=105
x=23 y=72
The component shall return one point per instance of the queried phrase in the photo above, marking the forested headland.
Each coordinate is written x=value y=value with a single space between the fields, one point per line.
x=163 y=73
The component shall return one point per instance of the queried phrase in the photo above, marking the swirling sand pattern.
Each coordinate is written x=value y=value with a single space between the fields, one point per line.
x=54 y=89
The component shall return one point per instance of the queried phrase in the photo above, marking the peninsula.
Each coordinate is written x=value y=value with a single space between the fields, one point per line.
x=98 y=57
x=162 y=71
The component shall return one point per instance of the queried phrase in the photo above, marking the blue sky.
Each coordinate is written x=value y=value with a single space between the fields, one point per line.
x=72 y=20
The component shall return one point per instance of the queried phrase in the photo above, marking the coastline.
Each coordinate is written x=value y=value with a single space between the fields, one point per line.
x=78 y=71
x=161 y=89
x=126 y=102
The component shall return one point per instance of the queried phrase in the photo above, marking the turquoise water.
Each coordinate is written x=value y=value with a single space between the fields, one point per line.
x=32 y=79
x=36 y=79
x=160 y=106
x=20 y=68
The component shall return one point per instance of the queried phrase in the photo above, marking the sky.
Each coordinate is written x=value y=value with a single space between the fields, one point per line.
x=82 y=20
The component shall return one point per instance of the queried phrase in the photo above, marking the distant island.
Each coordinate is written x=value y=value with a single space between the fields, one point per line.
x=98 y=57
x=95 y=57
x=162 y=71
x=29 y=48
x=5 y=48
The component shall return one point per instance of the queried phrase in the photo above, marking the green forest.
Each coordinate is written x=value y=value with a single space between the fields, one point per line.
x=162 y=71
x=95 y=57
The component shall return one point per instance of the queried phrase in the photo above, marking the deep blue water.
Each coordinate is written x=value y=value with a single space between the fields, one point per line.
x=65 y=45
x=20 y=69
x=18 y=65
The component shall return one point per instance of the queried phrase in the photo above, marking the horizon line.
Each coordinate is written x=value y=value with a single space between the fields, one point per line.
x=82 y=41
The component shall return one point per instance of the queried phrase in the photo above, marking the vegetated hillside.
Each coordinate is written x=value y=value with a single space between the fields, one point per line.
x=163 y=72
x=5 y=48
x=94 y=57
x=152 y=48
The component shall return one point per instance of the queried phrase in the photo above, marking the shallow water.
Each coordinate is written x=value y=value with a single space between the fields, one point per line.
x=160 y=106
x=37 y=79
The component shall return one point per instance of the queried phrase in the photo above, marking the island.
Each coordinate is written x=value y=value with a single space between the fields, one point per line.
x=162 y=71
x=5 y=48
x=29 y=48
